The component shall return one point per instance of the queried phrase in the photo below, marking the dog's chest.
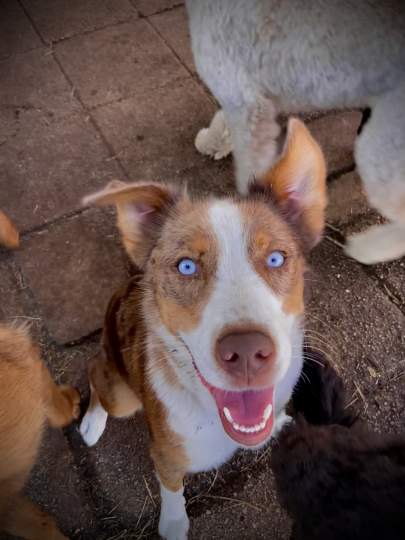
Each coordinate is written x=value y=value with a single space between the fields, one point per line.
x=205 y=441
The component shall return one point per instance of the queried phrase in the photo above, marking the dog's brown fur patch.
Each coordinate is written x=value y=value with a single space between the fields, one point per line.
x=297 y=183
x=123 y=365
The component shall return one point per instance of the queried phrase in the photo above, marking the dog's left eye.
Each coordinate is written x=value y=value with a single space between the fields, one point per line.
x=187 y=267
x=275 y=259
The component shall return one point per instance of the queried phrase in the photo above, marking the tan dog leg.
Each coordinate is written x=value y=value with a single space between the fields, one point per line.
x=26 y=520
x=62 y=403
x=29 y=396
x=110 y=395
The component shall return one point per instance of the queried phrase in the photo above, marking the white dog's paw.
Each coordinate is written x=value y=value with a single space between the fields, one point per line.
x=379 y=244
x=215 y=141
x=281 y=420
x=173 y=521
x=174 y=529
x=93 y=425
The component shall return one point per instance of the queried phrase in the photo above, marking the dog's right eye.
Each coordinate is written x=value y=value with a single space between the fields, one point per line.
x=187 y=267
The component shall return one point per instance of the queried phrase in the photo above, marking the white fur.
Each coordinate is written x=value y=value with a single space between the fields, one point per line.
x=173 y=521
x=215 y=141
x=93 y=424
x=378 y=244
x=263 y=57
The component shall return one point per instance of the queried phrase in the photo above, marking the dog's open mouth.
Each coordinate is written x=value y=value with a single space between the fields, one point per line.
x=247 y=416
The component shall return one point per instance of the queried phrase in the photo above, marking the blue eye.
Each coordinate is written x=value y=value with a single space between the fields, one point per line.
x=187 y=267
x=275 y=259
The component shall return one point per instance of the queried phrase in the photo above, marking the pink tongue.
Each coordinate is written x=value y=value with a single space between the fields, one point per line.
x=246 y=407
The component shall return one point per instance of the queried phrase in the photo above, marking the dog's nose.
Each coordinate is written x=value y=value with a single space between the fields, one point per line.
x=245 y=355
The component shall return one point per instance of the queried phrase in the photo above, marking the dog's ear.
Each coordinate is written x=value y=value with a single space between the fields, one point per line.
x=297 y=183
x=9 y=236
x=141 y=211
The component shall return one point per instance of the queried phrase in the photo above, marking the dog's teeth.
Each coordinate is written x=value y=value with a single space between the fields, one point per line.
x=267 y=412
x=227 y=414
x=247 y=429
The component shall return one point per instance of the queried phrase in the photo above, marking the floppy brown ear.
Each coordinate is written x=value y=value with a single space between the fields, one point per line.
x=9 y=236
x=141 y=211
x=297 y=183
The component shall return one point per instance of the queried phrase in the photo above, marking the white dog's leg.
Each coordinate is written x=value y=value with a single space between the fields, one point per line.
x=379 y=244
x=254 y=132
x=173 y=521
x=94 y=421
x=215 y=140
x=380 y=157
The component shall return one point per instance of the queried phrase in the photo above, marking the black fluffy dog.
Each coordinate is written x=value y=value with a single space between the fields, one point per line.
x=335 y=479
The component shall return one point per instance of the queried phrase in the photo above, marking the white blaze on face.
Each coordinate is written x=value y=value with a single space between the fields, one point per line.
x=239 y=295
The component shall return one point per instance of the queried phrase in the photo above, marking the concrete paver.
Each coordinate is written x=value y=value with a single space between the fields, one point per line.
x=56 y=484
x=238 y=502
x=11 y=291
x=72 y=269
x=46 y=166
x=125 y=487
x=173 y=27
x=153 y=134
x=149 y=7
x=16 y=31
x=34 y=82
x=346 y=199
x=62 y=19
x=352 y=320
x=336 y=133
x=392 y=277
x=118 y=62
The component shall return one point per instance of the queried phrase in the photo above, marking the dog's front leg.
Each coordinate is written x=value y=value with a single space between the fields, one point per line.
x=171 y=469
x=173 y=521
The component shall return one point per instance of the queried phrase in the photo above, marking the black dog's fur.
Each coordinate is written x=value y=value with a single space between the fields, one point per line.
x=335 y=479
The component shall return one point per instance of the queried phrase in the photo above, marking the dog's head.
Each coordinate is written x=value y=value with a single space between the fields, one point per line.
x=225 y=278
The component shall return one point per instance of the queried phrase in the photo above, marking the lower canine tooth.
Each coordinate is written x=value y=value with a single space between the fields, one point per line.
x=227 y=414
x=267 y=412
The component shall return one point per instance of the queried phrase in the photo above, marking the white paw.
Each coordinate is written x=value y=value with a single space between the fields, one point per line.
x=215 y=141
x=174 y=529
x=281 y=420
x=93 y=425
x=378 y=244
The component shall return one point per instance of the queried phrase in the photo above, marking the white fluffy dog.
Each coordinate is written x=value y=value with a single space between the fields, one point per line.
x=264 y=57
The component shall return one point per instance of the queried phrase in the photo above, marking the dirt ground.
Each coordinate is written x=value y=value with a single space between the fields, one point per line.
x=92 y=90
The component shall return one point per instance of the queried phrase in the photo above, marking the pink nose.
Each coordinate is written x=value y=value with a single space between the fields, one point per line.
x=246 y=356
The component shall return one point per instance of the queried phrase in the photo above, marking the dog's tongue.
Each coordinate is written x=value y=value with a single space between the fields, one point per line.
x=247 y=416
